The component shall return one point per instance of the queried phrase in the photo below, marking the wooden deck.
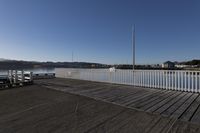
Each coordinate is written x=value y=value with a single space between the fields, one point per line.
x=174 y=104
x=74 y=106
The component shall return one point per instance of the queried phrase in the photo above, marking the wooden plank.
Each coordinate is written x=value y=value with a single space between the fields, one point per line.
x=158 y=100
x=122 y=96
x=139 y=123
x=91 y=92
x=162 y=103
x=144 y=100
x=107 y=94
x=184 y=127
x=72 y=88
x=196 y=116
x=99 y=93
x=135 y=95
x=170 y=103
x=187 y=116
x=141 y=97
x=113 y=94
x=116 y=95
x=139 y=105
x=162 y=126
x=112 y=124
x=178 y=113
x=96 y=89
x=174 y=107
x=122 y=93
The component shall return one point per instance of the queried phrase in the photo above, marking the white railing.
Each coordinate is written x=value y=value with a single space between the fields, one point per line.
x=16 y=76
x=164 y=79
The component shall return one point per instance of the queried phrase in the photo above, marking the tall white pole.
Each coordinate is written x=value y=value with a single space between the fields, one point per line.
x=133 y=45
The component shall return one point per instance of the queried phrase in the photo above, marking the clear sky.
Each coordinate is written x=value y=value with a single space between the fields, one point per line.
x=100 y=30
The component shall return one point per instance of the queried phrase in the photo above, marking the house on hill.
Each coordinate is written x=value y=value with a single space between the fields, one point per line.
x=168 y=64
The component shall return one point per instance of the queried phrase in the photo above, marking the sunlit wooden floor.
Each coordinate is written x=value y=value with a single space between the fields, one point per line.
x=74 y=106
x=175 y=104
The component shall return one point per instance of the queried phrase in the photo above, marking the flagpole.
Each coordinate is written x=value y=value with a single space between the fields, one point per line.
x=133 y=45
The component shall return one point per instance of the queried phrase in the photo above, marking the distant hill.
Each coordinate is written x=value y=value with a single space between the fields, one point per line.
x=16 y=64
x=13 y=64
x=193 y=62
x=2 y=59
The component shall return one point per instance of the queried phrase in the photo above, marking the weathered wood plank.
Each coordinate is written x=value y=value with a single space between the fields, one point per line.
x=128 y=98
x=187 y=116
x=120 y=93
x=173 y=108
x=113 y=124
x=112 y=94
x=86 y=90
x=139 y=122
x=170 y=103
x=153 y=99
x=153 y=103
x=160 y=104
x=144 y=100
x=162 y=126
x=183 y=108
x=140 y=98
x=184 y=127
x=122 y=96
x=196 y=116
x=165 y=102
x=99 y=93
x=156 y=101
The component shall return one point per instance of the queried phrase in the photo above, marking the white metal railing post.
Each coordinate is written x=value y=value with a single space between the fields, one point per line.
x=179 y=81
x=159 y=79
x=11 y=76
x=164 y=80
x=153 y=85
x=182 y=81
x=15 y=76
x=134 y=77
x=22 y=76
x=185 y=73
x=175 y=80
x=172 y=79
x=150 y=79
x=166 y=75
x=31 y=76
x=199 y=83
x=192 y=81
x=140 y=78
x=196 y=87
x=189 y=79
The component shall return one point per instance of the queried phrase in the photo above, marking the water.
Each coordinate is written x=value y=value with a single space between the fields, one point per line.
x=34 y=70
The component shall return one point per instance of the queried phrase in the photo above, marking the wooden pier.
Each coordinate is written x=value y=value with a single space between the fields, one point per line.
x=174 y=104
x=76 y=106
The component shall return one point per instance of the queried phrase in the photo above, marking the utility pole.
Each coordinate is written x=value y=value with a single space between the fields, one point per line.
x=133 y=45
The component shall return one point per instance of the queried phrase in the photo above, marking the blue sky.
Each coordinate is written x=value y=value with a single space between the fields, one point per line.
x=100 y=30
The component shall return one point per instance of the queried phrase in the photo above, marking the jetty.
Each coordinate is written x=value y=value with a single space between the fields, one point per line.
x=83 y=106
